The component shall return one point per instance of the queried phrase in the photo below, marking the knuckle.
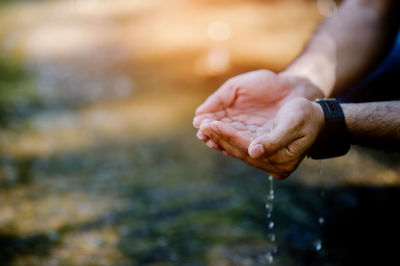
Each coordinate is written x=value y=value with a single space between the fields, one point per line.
x=281 y=157
x=288 y=153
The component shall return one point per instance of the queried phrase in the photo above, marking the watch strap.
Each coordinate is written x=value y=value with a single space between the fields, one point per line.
x=333 y=140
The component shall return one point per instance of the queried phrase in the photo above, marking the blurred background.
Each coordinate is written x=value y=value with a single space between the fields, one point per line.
x=99 y=163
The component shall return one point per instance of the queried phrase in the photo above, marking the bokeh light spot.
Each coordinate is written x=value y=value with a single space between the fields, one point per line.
x=86 y=5
x=218 y=59
x=219 y=31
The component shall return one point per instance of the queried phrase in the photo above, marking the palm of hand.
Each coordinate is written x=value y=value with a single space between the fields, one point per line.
x=246 y=102
x=243 y=109
x=233 y=129
x=286 y=136
x=248 y=122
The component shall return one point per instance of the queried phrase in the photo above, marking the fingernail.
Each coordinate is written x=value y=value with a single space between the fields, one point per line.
x=200 y=136
x=256 y=150
x=196 y=123
x=210 y=144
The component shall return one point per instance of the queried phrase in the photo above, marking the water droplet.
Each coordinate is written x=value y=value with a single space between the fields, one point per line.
x=272 y=237
x=271 y=225
x=321 y=220
x=274 y=250
x=269 y=257
x=320 y=168
x=318 y=245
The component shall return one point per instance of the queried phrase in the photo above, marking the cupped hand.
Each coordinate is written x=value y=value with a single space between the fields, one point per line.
x=279 y=145
x=246 y=102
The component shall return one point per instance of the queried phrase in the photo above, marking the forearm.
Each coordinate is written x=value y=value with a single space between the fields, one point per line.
x=374 y=124
x=347 y=46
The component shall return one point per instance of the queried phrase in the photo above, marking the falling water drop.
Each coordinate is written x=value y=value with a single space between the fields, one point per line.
x=318 y=245
x=270 y=255
x=271 y=196
x=272 y=237
x=321 y=220
x=271 y=225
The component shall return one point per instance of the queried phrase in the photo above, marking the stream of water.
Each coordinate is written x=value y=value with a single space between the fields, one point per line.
x=321 y=219
x=269 y=206
x=272 y=251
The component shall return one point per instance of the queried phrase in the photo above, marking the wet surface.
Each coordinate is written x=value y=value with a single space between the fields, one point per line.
x=99 y=164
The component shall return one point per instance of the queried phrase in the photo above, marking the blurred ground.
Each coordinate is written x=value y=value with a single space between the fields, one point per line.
x=99 y=164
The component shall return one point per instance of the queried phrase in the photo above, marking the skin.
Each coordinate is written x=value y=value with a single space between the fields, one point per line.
x=348 y=46
x=247 y=101
x=279 y=145
x=374 y=124
x=267 y=119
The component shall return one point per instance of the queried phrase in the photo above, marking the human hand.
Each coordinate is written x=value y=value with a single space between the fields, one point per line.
x=279 y=145
x=249 y=100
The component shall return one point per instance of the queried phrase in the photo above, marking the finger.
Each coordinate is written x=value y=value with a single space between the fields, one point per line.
x=201 y=136
x=219 y=100
x=241 y=154
x=213 y=145
x=284 y=133
x=291 y=154
x=213 y=131
x=198 y=119
x=235 y=137
x=201 y=133
x=226 y=146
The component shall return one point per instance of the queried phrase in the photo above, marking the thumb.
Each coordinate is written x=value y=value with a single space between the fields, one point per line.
x=219 y=100
x=279 y=137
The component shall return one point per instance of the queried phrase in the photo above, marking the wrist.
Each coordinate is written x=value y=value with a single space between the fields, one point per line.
x=333 y=139
x=317 y=67
x=301 y=86
x=318 y=116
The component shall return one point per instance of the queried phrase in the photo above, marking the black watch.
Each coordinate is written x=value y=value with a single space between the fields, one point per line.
x=333 y=140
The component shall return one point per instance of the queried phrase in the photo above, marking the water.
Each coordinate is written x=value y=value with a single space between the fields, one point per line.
x=269 y=206
x=271 y=253
x=318 y=245
x=321 y=220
